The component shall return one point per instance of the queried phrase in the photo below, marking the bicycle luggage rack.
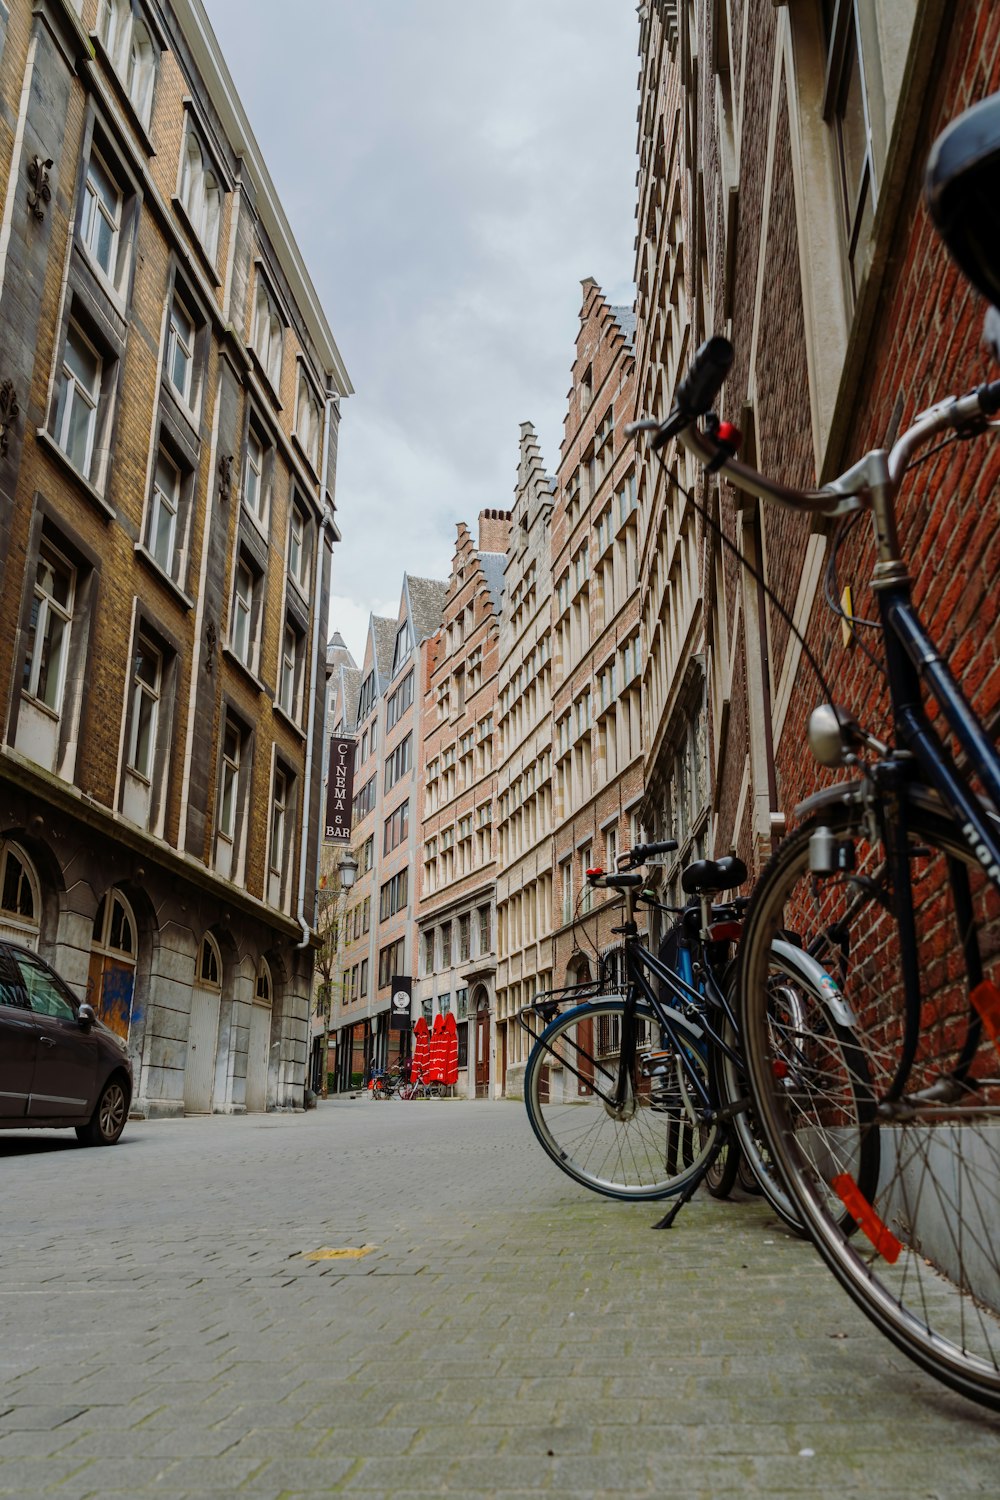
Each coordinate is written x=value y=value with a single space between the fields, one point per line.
x=547 y=1004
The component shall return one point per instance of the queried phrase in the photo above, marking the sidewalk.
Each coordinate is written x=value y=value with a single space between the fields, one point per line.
x=505 y=1334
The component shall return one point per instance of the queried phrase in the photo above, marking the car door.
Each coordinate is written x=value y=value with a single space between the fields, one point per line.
x=18 y=1042
x=65 y=1076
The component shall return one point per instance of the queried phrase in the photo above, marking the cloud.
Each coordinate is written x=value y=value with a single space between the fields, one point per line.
x=451 y=171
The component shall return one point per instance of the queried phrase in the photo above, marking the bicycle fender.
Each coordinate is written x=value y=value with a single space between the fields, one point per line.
x=812 y=973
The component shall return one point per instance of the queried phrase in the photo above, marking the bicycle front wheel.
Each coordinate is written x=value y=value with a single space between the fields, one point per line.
x=912 y=1230
x=650 y=1145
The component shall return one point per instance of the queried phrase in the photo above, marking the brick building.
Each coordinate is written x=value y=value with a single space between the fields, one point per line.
x=169 y=389
x=781 y=165
x=379 y=935
x=596 y=654
x=456 y=961
x=524 y=759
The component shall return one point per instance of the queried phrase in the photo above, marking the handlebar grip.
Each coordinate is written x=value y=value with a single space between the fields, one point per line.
x=989 y=398
x=641 y=852
x=703 y=381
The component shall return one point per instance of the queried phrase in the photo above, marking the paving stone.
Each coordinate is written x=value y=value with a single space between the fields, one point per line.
x=512 y=1335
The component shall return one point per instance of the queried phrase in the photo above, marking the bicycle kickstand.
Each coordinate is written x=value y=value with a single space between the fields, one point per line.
x=685 y=1197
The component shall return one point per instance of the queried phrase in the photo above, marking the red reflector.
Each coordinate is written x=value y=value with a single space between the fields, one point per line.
x=859 y=1208
x=730 y=435
x=725 y=932
x=779 y=1068
x=595 y=871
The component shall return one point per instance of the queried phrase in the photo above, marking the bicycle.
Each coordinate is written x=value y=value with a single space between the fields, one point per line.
x=637 y=1095
x=419 y=1087
x=892 y=879
x=384 y=1083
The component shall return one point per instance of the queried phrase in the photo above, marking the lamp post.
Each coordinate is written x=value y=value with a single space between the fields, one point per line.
x=347 y=869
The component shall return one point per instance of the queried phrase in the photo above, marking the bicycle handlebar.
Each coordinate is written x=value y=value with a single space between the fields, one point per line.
x=699 y=387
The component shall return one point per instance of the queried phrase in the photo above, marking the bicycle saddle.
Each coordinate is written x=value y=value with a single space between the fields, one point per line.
x=713 y=875
x=963 y=177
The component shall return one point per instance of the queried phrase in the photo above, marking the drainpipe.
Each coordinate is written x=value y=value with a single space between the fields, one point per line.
x=331 y=403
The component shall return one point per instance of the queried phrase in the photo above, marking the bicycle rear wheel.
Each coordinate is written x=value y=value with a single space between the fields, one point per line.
x=652 y=1145
x=918 y=1247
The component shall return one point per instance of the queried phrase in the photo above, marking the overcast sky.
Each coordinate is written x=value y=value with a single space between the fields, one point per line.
x=451 y=170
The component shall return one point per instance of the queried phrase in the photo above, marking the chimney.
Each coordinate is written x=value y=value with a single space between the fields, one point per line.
x=494 y=530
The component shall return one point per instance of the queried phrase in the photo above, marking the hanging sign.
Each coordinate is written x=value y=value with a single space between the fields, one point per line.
x=399 y=1006
x=339 y=791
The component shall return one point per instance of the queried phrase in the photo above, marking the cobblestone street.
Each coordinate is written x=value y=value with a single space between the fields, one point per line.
x=506 y=1334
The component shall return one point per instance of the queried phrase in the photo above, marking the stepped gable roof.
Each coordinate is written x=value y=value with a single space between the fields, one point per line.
x=493 y=565
x=625 y=318
x=384 y=643
x=427 y=596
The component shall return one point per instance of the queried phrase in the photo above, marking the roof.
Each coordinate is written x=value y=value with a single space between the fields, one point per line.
x=493 y=565
x=384 y=640
x=426 y=596
x=625 y=318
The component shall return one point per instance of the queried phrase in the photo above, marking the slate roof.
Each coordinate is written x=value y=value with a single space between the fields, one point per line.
x=427 y=596
x=384 y=639
x=493 y=565
x=625 y=318
x=350 y=691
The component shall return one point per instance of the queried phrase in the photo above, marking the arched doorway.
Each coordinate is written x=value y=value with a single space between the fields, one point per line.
x=203 y=1029
x=482 y=1058
x=259 y=1045
x=111 y=978
x=20 y=896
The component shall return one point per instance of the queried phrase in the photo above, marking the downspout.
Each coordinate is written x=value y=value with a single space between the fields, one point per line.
x=331 y=402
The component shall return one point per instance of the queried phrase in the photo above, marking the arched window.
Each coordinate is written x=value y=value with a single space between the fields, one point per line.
x=201 y=195
x=113 y=950
x=20 y=903
x=209 y=964
x=267 y=336
x=211 y=214
x=128 y=43
x=307 y=421
x=262 y=991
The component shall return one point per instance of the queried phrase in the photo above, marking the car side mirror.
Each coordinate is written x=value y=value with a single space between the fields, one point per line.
x=86 y=1015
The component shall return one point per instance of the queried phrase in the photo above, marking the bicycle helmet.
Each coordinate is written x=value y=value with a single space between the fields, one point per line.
x=963 y=193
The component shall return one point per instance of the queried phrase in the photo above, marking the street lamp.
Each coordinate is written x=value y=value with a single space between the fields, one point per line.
x=347 y=868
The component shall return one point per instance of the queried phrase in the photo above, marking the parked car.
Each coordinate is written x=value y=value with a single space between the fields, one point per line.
x=59 y=1065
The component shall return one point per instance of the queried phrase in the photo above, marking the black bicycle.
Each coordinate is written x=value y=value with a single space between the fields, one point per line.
x=892 y=879
x=641 y=1094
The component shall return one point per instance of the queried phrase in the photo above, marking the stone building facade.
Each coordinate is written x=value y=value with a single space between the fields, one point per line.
x=379 y=935
x=456 y=958
x=524 y=759
x=596 y=647
x=170 y=398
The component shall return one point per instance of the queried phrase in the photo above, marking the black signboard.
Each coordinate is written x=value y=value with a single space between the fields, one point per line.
x=399 y=1006
x=339 y=791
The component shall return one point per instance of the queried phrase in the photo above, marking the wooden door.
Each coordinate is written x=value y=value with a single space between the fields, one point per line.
x=258 y=1054
x=482 y=1054
x=203 y=1036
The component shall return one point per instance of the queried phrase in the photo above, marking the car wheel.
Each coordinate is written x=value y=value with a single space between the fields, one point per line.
x=108 y=1120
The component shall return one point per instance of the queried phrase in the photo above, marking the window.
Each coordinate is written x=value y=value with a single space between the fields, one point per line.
x=391 y=960
x=129 y=45
x=163 y=529
x=485 y=925
x=77 y=399
x=364 y=801
x=292 y=671
x=147 y=677
x=307 y=420
x=363 y=979
x=393 y=895
x=254 y=491
x=279 y=820
x=398 y=703
x=244 y=625
x=429 y=952
x=49 y=630
x=464 y=938
x=611 y=849
x=268 y=335
x=19 y=895
x=446 y=946
x=298 y=549
x=461 y=1003
x=404 y=645
x=845 y=109
x=47 y=995
x=397 y=827
x=366 y=698
x=567 y=892
x=209 y=963
x=234 y=788
x=101 y=218
x=368 y=855
x=444 y=1004
x=230 y=781
x=180 y=351
x=200 y=193
x=586 y=863
x=398 y=762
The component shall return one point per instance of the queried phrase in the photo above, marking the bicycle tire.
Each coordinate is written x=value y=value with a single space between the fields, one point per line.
x=721 y=1174
x=921 y=1253
x=656 y=1144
